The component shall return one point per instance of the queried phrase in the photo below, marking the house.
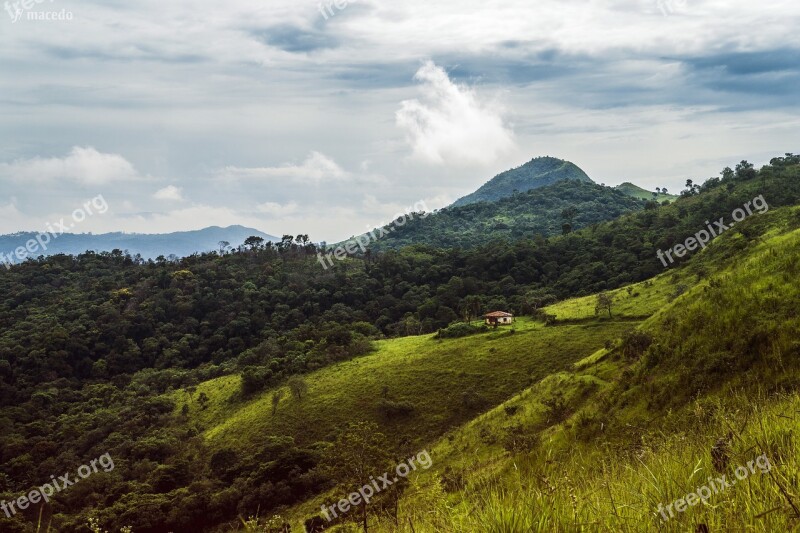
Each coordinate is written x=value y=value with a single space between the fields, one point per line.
x=496 y=318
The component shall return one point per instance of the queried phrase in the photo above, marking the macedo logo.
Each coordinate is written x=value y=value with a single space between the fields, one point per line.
x=16 y=9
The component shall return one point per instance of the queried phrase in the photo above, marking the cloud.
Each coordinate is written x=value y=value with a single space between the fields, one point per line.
x=83 y=165
x=170 y=193
x=452 y=124
x=316 y=167
x=295 y=39
x=277 y=210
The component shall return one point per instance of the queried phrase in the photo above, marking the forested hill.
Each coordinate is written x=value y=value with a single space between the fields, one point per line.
x=91 y=345
x=548 y=211
x=536 y=173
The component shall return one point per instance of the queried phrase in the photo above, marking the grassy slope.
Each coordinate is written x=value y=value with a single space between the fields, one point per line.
x=429 y=373
x=630 y=307
x=605 y=483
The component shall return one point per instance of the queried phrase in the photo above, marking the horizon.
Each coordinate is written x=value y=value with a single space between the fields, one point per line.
x=287 y=116
x=277 y=234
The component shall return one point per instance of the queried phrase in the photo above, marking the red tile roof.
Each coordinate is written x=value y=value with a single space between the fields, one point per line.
x=497 y=314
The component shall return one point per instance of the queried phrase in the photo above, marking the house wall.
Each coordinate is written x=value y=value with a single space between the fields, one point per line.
x=501 y=320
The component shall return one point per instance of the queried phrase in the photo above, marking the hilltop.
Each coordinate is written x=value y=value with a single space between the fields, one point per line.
x=536 y=173
x=643 y=194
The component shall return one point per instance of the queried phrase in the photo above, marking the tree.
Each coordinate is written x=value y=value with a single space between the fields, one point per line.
x=412 y=325
x=471 y=307
x=223 y=245
x=358 y=453
x=727 y=174
x=745 y=170
x=203 y=400
x=569 y=213
x=253 y=242
x=286 y=242
x=604 y=302
x=277 y=396
x=298 y=386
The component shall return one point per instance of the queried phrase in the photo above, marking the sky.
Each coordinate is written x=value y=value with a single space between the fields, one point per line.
x=330 y=118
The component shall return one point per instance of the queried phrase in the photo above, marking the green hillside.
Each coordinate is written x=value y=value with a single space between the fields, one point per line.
x=430 y=376
x=642 y=194
x=174 y=368
x=706 y=385
x=548 y=211
x=536 y=173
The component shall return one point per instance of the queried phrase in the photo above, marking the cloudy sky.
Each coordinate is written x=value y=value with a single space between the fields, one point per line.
x=294 y=116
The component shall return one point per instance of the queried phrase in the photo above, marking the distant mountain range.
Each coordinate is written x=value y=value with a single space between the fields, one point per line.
x=536 y=173
x=150 y=246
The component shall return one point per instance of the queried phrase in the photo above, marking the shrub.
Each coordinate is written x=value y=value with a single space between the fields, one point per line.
x=517 y=440
x=635 y=344
x=460 y=329
x=254 y=380
x=395 y=409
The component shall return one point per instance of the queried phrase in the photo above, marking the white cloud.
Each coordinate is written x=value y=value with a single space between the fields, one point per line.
x=316 y=167
x=169 y=193
x=277 y=210
x=452 y=125
x=83 y=164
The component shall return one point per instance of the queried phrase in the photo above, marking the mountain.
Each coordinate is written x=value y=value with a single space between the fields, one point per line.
x=536 y=173
x=226 y=387
x=544 y=211
x=643 y=194
x=150 y=246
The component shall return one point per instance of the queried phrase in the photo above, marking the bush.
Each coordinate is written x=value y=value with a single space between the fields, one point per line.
x=635 y=344
x=518 y=440
x=395 y=409
x=461 y=329
x=255 y=379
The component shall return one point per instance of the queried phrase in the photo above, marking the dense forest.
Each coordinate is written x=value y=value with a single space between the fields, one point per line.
x=548 y=211
x=90 y=344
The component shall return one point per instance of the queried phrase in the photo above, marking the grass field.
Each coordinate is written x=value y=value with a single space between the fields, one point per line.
x=577 y=474
x=584 y=438
x=430 y=374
